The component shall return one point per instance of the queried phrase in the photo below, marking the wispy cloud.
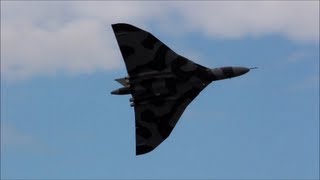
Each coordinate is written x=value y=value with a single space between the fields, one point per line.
x=309 y=83
x=297 y=56
x=41 y=38
x=11 y=136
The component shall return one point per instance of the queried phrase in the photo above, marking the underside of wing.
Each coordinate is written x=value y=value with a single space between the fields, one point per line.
x=141 y=51
x=156 y=118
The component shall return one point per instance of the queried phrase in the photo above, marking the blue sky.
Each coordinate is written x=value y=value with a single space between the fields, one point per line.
x=58 y=65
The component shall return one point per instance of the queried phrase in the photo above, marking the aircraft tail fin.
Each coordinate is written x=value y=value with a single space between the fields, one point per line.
x=122 y=81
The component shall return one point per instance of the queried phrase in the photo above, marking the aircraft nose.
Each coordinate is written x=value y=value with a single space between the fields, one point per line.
x=238 y=71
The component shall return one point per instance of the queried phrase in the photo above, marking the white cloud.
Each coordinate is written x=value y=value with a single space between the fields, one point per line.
x=297 y=20
x=40 y=38
x=33 y=45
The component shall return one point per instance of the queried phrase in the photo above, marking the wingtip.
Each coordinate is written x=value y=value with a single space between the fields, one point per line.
x=123 y=27
x=143 y=149
x=117 y=24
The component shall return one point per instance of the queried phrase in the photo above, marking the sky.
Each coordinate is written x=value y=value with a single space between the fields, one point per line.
x=59 y=60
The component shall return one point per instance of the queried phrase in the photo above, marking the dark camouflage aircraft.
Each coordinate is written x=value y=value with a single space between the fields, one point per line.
x=162 y=83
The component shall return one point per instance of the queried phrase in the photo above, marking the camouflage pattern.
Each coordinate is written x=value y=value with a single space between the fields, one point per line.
x=161 y=82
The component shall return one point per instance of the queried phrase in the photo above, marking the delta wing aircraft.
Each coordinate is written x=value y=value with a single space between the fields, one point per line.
x=162 y=83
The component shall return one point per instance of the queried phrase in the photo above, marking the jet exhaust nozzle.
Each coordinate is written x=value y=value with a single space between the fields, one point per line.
x=122 y=91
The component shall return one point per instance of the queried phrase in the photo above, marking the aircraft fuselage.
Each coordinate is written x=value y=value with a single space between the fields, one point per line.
x=214 y=74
